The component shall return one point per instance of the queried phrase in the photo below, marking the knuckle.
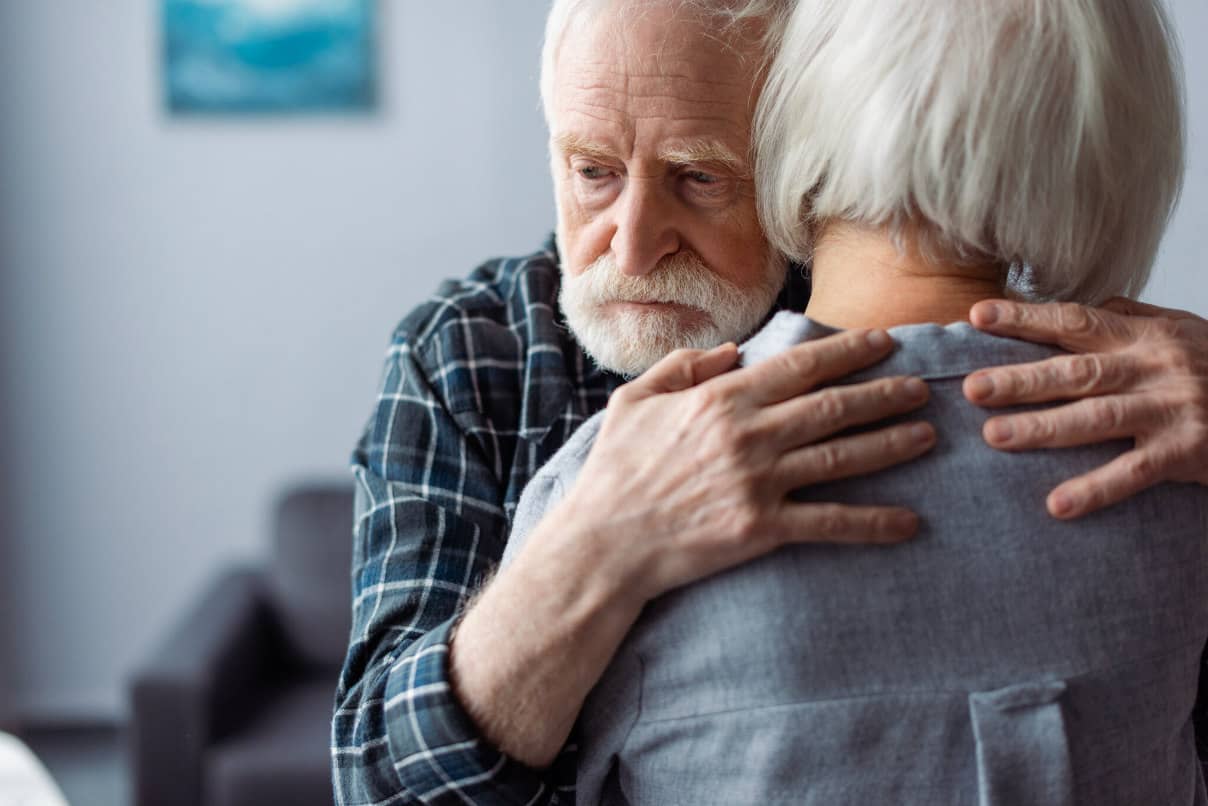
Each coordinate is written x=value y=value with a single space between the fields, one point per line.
x=1194 y=438
x=890 y=441
x=1012 y=313
x=802 y=362
x=829 y=459
x=704 y=399
x=898 y=441
x=732 y=440
x=745 y=523
x=1092 y=496
x=1173 y=329
x=1075 y=319
x=1038 y=429
x=829 y=522
x=742 y=441
x=1178 y=357
x=726 y=438
x=1107 y=416
x=830 y=406
x=1022 y=382
x=624 y=394
x=1086 y=372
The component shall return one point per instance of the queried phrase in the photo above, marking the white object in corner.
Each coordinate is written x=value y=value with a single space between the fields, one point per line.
x=23 y=779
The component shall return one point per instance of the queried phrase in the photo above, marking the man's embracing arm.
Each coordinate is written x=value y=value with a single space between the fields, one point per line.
x=689 y=475
x=1138 y=371
x=429 y=527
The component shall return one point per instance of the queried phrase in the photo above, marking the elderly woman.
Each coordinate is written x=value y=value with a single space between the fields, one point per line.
x=922 y=155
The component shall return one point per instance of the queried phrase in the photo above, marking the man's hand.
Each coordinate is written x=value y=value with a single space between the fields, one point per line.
x=691 y=470
x=688 y=476
x=1139 y=371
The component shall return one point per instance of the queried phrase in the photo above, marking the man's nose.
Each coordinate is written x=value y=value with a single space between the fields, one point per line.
x=645 y=230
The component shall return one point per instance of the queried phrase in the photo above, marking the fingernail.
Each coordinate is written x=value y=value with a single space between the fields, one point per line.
x=1000 y=431
x=915 y=389
x=990 y=313
x=1061 y=504
x=981 y=387
x=921 y=433
x=878 y=339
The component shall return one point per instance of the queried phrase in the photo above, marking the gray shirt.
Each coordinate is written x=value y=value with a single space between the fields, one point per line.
x=1000 y=658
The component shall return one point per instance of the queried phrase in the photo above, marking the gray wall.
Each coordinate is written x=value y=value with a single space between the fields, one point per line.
x=193 y=313
x=1180 y=279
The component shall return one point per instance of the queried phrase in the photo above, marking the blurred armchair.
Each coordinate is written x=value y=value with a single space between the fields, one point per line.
x=235 y=706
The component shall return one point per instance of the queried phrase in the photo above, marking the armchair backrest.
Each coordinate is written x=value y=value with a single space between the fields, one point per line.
x=310 y=572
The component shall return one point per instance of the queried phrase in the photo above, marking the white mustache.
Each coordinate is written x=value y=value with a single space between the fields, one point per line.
x=680 y=279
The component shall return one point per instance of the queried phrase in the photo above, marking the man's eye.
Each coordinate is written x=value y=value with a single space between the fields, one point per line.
x=592 y=172
x=701 y=178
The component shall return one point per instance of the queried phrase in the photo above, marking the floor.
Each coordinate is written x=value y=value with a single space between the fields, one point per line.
x=89 y=764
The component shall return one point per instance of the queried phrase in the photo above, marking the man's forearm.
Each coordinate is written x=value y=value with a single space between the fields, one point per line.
x=533 y=645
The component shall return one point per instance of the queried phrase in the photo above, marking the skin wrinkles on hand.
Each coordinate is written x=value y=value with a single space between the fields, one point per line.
x=1138 y=371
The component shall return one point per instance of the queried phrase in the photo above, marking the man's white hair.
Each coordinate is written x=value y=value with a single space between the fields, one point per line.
x=1045 y=134
x=725 y=16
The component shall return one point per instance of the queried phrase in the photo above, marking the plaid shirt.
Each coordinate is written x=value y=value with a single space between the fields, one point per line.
x=482 y=385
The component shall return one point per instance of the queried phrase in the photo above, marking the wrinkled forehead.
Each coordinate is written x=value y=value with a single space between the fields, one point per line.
x=658 y=60
x=671 y=38
x=648 y=91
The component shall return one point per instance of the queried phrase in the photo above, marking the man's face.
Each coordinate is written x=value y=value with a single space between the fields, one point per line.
x=650 y=123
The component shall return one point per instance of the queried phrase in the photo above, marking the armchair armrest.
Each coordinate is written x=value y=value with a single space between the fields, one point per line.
x=198 y=686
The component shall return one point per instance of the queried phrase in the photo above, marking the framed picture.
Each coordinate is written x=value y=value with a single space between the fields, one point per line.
x=268 y=56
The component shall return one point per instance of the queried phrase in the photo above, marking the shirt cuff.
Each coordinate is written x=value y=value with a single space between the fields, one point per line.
x=439 y=755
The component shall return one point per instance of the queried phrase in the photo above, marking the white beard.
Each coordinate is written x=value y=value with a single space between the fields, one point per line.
x=630 y=341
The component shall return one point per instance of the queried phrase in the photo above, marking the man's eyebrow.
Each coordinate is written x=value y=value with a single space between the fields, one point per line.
x=713 y=152
x=569 y=143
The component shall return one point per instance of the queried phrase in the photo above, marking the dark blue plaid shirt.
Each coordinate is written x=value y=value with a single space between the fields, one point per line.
x=483 y=383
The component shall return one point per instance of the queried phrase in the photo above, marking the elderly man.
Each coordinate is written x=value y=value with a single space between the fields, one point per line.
x=649 y=104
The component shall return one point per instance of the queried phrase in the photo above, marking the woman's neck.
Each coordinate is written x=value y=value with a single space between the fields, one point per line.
x=861 y=278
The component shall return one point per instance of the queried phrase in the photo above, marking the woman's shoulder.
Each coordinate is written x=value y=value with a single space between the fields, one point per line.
x=930 y=351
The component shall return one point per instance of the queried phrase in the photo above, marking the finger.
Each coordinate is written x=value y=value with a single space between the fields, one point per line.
x=803 y=366
x=1120 y=479
x=683 y=369
x=1084 y=422
x=1064 y=377
x=1131 y=307
x=811 y=417
x=1066 y=324
x=711 y=363
x=840 y=523
x=853 y=456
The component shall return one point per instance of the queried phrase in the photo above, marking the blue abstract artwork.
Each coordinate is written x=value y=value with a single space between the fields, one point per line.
x=267 y=56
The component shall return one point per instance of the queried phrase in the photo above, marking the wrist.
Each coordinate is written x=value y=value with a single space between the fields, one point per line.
x=588 y=573
x=533 y=644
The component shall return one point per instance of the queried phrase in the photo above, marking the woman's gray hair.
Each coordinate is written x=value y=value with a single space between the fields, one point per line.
x=1038 y=133
x=725 y=16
